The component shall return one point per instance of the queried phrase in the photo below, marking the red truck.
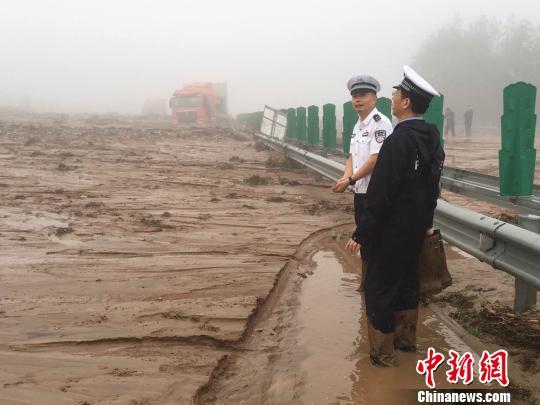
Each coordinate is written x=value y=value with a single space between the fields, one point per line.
x=199 y=103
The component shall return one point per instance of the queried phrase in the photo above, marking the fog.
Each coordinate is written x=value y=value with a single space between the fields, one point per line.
x=103 y=56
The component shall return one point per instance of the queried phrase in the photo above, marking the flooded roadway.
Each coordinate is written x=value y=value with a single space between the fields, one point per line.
x=334 y=337
x=312 y=347
x=152 y=278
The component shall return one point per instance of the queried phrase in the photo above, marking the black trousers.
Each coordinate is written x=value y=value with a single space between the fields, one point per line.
x=360 y=202
x=393 y=280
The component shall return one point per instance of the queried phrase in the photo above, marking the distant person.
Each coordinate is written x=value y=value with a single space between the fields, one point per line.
x=468 y=120
x=401 y=199
x=450 y=122
x=367 y=138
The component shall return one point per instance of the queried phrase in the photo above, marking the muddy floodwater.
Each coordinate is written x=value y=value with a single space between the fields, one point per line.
x=310 y=345
x=332 y=343
x=144 y=264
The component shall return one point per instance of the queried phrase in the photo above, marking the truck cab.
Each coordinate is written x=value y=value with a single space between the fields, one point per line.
x=197 y=103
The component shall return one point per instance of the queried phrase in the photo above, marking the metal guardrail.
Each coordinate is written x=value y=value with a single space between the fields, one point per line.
x=472 y=184
x=486 y=188
x=327 y=167
x=504 y=246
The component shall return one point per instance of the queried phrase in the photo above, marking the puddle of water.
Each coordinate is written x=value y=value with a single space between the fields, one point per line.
x=333 y=339
x=330 y=314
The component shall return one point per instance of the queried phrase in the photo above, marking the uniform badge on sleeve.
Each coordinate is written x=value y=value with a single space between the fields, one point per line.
x=377 y=117
x=380 y=136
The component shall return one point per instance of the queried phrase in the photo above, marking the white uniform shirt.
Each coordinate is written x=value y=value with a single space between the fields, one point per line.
x=366 y=139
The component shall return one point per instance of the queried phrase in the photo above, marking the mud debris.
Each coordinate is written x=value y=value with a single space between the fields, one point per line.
x=260 y=146
x=282 y=161
x=94 y=205
x=59 y=232
x=236 y=159
x=458 y=299
x=256 y=180
x=155 y=223
x=276 y=199
x=284 y=181
x=499 y=324
x=508 y=217
x=65 y=168
x=320 y=206
x=123 y=372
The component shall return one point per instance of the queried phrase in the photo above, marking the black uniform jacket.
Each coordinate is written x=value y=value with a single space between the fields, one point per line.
x=404 y=186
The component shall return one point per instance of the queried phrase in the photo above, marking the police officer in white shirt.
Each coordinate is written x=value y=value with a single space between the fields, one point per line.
x=367 y=138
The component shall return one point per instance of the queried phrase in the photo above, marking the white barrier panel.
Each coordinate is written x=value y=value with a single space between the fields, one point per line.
x=274 y=123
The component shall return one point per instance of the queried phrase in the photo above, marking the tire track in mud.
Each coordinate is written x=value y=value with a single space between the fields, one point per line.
x=196 y=340
x=266 y=329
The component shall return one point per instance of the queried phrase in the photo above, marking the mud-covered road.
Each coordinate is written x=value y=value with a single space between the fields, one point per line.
x=132 y=258
x=142 y=264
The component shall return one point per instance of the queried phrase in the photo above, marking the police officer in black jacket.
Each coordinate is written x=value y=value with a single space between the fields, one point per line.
x=401 y=200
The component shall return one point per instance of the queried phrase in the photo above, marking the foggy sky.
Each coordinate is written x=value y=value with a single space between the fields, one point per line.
x=108 y=56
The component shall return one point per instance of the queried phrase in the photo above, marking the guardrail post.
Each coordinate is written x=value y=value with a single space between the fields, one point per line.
x=517 y=156
x=435 y=115
x=350 y=117
x=291 y=124
x=301 y=126
x=313 y=125
x=329 y=126
x=525 y=295
x=384 y=105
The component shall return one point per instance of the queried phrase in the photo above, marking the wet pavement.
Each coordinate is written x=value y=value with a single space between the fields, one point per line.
x=335 y=346
x=310 y=344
